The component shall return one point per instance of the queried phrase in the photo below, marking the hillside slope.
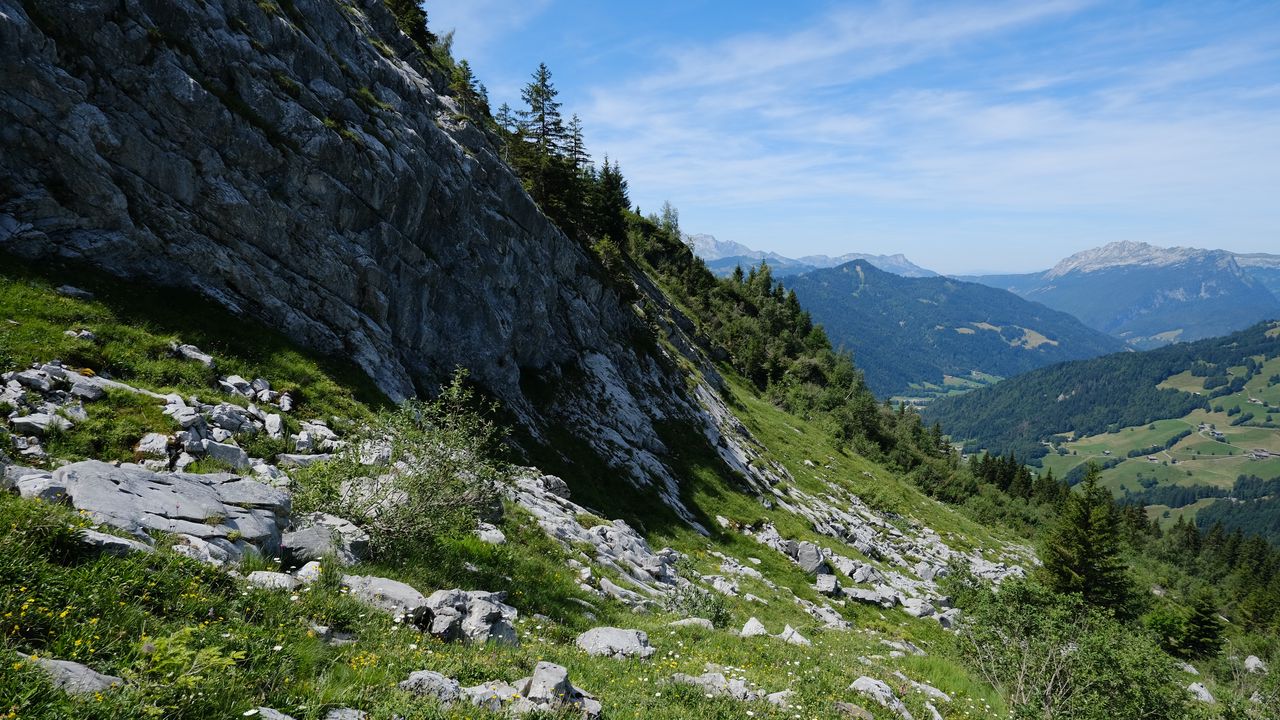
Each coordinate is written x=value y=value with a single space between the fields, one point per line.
x=906 y=333
x=1150 y=296
x=240 y=474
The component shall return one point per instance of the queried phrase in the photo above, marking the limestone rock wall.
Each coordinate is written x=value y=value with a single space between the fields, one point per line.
x=296 y=161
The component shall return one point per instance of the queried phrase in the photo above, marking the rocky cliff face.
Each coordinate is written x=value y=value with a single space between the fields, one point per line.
x=296 y=161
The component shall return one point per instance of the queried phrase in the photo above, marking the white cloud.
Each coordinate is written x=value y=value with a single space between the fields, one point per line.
x=861 y=114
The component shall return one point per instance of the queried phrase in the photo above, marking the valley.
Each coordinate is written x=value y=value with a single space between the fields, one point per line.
x=335 y=387
x=1234 y=434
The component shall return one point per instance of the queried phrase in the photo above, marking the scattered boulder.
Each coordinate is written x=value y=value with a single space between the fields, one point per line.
x=319 y=535
x=39 y=424
x=308 y=573
x=266 y=713
x=489 y=533
x=1201 y=693
x=915 y=607
x=781 y=698
x=828 y=585
x=345 y=714
x=272 y=580
x=547 y=690
x=193 y=353
x=792 y=637
x=716 y=684
x=694 y=622
x=72 y=677
x=809 y=557
x=72 y=291
x=753 y=628
x=853 y=711
x=228 y=453
x=932 y=692
x=393 y=596
x=616 y=643
x=1255 y=664
x=468 y=616
x=428 y=683
x=153 y=445
x=295 y=460
x=104 y=544
x=882 y=694
x=949 y=619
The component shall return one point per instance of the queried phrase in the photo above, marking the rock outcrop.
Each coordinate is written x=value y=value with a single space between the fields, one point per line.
x=308 y=167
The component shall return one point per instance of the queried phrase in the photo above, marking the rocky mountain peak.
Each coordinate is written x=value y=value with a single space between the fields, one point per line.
x=1131 y=253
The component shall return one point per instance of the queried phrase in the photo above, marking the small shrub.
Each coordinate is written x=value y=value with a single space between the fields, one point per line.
x=437 y=473
x=693 y=601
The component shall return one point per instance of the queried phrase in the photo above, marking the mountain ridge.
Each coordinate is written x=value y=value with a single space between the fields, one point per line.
x=722 y=256
x=915 y=331
x=1151 y=296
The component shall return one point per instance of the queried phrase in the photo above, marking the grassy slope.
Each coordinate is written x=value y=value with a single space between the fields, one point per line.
x=134 y=326
x=110 y=612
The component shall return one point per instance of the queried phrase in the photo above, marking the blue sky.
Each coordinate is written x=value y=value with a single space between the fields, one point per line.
x=969 y=136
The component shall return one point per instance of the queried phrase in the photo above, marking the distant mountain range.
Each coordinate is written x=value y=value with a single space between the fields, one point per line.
x=923 y=336
x=1150 y=296
x=723 y=256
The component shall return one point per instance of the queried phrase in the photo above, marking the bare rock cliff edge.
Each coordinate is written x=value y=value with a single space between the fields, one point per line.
x=297 y=161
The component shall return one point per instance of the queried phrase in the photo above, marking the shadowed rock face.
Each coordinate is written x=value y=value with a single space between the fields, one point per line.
x=282 y=164
x=300 y=167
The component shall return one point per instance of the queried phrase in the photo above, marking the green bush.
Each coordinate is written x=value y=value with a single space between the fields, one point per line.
x=1056 y=656
x=693 y=601
x=415 y=475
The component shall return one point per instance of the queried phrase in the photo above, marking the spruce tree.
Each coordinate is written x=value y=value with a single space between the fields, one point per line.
x=464 y=88
x=1202 y=634
x=1082 y=553
x=412 y=20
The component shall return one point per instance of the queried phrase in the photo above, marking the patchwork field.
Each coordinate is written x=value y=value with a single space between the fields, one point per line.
x=924 y=393
x=1214 y=453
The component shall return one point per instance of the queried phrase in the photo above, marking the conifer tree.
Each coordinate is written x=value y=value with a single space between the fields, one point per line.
x=412 y=20
x=1202 y=634
x=1082 y=553
x=464 y=88
x=543 y=127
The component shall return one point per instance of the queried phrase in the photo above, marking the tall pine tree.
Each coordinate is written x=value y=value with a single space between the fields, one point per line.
x=1082 y=552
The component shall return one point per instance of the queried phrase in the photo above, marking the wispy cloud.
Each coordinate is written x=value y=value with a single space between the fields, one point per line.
x=897 y=109
x=484 y=21
x=898 y=125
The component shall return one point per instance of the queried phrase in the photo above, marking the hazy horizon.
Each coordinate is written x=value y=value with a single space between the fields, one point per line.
x=964 y=136
x=969 y=270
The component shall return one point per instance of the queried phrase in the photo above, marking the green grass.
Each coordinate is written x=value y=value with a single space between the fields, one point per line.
x=140 y=617
x=1201 y=460
x=135 y=326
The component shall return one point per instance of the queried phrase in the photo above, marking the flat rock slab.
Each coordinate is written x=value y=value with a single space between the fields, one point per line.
x=74 y=678
x=221 y=508
x=272 y=580
x=616 y=643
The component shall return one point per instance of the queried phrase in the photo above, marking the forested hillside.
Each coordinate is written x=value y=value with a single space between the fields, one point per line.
x=920 y=336
x=1088 y=397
